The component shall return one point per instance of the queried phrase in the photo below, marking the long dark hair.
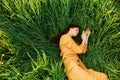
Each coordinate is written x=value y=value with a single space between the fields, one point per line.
x=56 y=38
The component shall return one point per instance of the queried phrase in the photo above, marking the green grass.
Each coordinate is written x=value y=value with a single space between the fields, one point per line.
x=26 y=27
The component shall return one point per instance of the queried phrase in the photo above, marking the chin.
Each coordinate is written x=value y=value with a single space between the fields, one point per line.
x=74 y=35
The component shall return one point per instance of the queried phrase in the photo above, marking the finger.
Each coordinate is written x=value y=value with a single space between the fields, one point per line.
x=83 y=32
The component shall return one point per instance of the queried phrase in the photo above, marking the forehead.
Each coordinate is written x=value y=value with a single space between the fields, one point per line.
x=76 y=28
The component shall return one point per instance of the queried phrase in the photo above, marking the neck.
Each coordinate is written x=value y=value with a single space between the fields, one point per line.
x=69 y=34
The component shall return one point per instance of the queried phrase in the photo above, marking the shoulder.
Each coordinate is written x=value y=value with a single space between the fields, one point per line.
x=66 y=38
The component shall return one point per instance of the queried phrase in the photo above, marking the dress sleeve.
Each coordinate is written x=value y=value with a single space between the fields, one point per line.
x=79 y=49
x=71 y=44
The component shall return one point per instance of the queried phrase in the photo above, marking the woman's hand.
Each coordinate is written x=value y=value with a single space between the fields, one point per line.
x=88 y=32
x=83 y=36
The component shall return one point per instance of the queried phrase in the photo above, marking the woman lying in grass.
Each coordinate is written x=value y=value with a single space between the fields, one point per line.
x=75 y=69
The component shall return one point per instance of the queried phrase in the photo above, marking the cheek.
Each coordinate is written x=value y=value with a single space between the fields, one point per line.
x=77 y=32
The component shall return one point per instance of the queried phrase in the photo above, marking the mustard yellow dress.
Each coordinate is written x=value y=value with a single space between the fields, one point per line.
x=75 y=69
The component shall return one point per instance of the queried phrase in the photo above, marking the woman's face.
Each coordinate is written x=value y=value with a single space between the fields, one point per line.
x=74 y=31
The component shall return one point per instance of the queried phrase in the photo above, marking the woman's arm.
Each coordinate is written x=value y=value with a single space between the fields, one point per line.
x=68 y=42
x=71 y=44
x=85 y=35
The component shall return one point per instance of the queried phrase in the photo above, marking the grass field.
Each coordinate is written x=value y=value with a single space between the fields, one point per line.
x=26 y=27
